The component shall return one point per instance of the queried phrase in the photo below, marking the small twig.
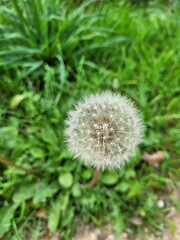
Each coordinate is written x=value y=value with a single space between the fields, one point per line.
x=9 y=163
x=93 y=180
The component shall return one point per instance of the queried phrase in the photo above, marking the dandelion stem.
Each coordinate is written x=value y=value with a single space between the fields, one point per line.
x=93 y=181
x=9 y=163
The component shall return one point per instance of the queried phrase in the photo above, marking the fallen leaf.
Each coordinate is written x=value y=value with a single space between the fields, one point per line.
x=153 y=158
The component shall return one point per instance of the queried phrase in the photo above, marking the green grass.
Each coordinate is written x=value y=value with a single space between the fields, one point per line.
x=129 y=49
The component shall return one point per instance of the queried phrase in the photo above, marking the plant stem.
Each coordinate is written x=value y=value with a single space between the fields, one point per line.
x=9 y=163
x=93 y=181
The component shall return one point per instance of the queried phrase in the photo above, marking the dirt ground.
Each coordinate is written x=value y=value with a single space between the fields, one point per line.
x=89 y=232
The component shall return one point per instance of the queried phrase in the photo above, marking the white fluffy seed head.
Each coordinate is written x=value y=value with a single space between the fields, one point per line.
x=103 y=130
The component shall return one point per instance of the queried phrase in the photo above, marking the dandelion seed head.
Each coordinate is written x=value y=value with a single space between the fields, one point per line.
x=103 y=130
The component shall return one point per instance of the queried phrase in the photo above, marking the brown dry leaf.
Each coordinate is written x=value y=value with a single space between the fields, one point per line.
x=153 y=158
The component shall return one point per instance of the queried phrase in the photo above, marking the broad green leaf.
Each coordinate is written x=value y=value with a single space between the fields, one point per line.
x=86 y=174
x=49 y=136
x=130 y=173
x=122 y=187
x=63 y=202
x=56 y=208
x=110 y=178
x=66 y=180
x=8 y=136
x=134 y=190
x=43 y=191
x=6 y=215
x=76 y=190
x=118 y=224
x=54 y=215
x=37 y=152
x=23 y=193
x=67 y=217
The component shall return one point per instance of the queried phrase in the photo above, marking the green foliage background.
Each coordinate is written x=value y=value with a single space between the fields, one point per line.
x=52 y=53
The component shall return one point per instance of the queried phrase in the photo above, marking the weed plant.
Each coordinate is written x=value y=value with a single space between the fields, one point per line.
x=52 y=53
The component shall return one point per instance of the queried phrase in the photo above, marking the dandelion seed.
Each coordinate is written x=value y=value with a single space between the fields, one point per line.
x=114 y=129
